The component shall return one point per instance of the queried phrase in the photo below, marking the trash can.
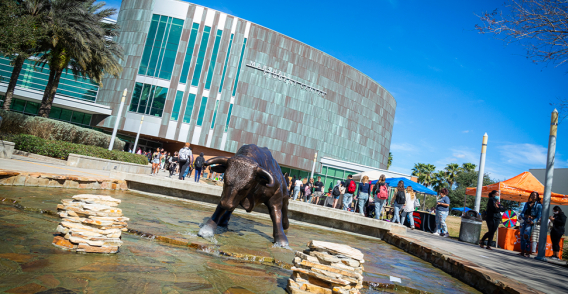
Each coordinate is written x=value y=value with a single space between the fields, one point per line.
x=470 y=227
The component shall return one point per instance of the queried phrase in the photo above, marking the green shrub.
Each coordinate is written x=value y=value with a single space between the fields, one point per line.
x=50 y=129
x=61 y=149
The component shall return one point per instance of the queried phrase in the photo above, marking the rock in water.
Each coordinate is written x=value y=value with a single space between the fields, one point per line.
x=327 y=268
x=90 y=223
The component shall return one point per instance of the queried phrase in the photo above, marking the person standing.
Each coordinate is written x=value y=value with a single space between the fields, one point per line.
x=558 y=220
x=381 y=192
x=308 y=187
x=318 y=190
x=156 y=161
x=163 y=156
x=408 y=208
x=190 y=167
x=184 y=160
x=442 y=210
x=363 y=195
x=297 y=184
x=348 y=196
x=198 y=164
x=530 y=215
x=173 y=163
x=399 y=201
x=338 y=199
x=493 y=218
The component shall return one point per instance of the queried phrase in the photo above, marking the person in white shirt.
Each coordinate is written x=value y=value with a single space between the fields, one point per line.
x=297 y=185
x=409 y=206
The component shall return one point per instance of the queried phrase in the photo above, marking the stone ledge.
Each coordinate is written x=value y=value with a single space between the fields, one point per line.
x=6 y=149
x=83 y=161
x=40 y=157
x=482 y=279
x=13 y=178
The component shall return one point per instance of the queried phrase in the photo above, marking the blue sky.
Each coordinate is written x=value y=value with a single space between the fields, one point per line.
x=451 y=83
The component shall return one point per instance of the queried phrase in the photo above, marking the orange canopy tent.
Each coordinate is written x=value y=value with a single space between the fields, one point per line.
x=518 y=189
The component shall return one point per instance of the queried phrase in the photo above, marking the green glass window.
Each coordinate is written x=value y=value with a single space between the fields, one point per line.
x=35 y=78
x=201 y=111
x=215 y=114
x=226 y=63
x=77 y=117
x=161 y=46
x=55 y=112
x=177 y=106
x=239 y=67
x=201 y=56
x=228 y=117
x=66 y=115
x=18 y=105
x=189 y=53
x=31 y=108
x=87 y=119
x=148 y=99
x=213 y=59
x=189 y=108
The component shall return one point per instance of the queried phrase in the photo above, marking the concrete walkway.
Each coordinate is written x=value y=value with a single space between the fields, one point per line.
x=542 y=276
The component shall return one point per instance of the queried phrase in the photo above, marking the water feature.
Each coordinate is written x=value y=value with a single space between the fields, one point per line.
x=148 y=263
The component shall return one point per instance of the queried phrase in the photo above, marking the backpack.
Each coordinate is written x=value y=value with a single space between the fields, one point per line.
x=401 y=198
x=183 y=154
x=351 y=187
x=383 y=192
x=307 y=191
x=199 y=162
x=336 y=191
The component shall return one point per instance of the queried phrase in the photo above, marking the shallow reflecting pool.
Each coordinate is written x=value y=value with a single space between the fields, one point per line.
x=29 y=263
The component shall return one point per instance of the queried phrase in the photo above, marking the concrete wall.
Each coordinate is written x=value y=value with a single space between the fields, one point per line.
x=300 y=211
x=6 y=149
x=106 y=164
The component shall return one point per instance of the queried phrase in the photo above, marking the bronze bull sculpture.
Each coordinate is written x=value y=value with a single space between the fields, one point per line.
x=252 y=176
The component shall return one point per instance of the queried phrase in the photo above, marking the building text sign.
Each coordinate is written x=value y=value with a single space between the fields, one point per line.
x=270 y=72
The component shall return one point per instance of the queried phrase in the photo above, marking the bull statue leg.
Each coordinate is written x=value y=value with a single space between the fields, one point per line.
x=208 y=230
x=224 y=220
x=277 y=228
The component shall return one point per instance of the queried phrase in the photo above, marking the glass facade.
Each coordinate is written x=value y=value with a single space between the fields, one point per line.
x=213 y=59
x=35 y=78
x=214 y=114
x=161 y=47
x=329 y=175
x=32 y=108
x=177 y=106
x=148 y=99
x=201 y=56
x=189 y=53
x=189 y=108
x=226 y=63
x=228 y=117
x=202 y=107
x=239 y=67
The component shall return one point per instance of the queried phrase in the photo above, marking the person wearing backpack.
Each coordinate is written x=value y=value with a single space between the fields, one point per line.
x=399 y=201
x=381 y=192
x=199 y=161
x=348 y=196
x=363 y=195
x=184 y=160
x=338 y=198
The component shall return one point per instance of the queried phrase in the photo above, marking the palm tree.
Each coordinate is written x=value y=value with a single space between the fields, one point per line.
x=389 y=163
x=439 y=181
x=428 y=175
x=452 y=170
x=468 y=167
x=418 y=170
x=23 y=28
x=79 y=41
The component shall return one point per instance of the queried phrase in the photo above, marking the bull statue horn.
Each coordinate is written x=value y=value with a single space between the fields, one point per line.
x=266 y=174
x=220 y=160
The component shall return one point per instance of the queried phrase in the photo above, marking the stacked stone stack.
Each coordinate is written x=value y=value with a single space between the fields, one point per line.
x=327 y=268
x=90 y=223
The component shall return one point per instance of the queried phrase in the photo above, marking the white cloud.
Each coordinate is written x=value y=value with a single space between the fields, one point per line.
x=403 y=147
x=466 y=131
x=524 y=154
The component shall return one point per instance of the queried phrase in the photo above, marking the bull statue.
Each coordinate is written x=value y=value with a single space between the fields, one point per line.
x=252 y=176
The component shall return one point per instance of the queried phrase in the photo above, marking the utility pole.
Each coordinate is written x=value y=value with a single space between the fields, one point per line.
x=117 y=120
x=547 y=187
x=313 y=166
x=138 y=135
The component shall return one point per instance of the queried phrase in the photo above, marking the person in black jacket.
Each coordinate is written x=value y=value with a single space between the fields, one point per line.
x=493 y=219
x=558 y=223
x=399 y=201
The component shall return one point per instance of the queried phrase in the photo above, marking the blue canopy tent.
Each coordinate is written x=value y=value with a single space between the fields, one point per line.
x=393 y=182
x=461 y=209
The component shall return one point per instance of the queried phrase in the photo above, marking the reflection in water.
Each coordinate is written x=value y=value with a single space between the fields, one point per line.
x=146 y=263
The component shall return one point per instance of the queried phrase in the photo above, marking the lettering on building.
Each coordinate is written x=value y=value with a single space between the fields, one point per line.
x=270 y=72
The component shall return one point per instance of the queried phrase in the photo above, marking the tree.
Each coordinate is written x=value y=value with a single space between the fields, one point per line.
x=439 y=181
x=22 y=31
x=541 y=26
x=468 y=167
x=452 y=170
x=389 y=163
x=464 y=180
x=424 y=173
x=78 y=40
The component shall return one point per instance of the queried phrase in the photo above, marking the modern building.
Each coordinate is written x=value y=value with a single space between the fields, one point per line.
x=559 y=183
x=217 y=81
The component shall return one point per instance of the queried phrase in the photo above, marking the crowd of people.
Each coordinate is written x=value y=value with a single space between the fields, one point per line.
x=181 y=163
